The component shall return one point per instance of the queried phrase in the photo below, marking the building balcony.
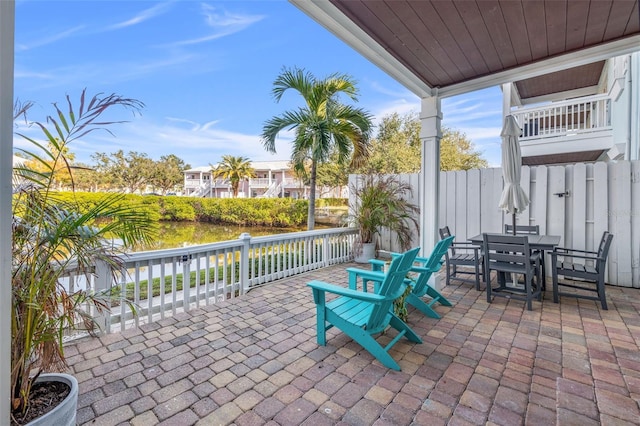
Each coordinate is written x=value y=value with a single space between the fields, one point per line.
x=564 y=132
x=260 y=182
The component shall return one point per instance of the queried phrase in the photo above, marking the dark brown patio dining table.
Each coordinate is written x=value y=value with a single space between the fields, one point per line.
x=540 y=243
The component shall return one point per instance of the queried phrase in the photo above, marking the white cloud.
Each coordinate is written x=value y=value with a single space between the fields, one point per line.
x=480 y=133
x=49 y=39
x=108 y=72
x=142 y=16
x=223 y=24
x=197 y=144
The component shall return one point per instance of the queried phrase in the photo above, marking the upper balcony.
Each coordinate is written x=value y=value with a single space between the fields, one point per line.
x=260 y=182
x=293 y=183
x=568 y=131
x=197 y=183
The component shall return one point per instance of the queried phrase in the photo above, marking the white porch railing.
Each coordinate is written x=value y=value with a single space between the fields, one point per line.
x=260 y=182
x=586 y=114
x=155 y=280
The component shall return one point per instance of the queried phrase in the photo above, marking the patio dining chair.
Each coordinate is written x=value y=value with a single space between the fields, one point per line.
x=509 y=255
x=463 y=258
x=418 y=279
x=584 y=269
x=528 y=230
x=362 y=315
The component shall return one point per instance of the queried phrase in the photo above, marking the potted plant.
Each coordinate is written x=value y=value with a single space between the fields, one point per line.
x=52 y=234
x=379 y=203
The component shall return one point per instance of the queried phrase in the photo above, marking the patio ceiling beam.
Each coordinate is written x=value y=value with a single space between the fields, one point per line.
x=7 y=25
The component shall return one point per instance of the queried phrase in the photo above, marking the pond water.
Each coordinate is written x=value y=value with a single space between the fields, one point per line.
x=183 y=234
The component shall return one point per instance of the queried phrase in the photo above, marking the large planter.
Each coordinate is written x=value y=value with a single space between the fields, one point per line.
x=365 y=252
x=65 y=413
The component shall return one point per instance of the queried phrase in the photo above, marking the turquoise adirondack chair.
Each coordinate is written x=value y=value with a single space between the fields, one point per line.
x=420 y=285
x=361 y=315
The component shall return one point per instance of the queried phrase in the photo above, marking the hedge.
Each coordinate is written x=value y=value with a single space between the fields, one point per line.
x=277 y=212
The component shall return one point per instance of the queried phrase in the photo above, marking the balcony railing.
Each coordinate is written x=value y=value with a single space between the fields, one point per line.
x=259 y=182
x=583 y=115
x=159 y=282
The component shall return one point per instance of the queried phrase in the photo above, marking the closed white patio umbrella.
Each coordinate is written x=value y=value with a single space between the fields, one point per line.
x=513 y=199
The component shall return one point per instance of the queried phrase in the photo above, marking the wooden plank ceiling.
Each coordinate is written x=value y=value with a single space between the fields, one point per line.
x=445 y=42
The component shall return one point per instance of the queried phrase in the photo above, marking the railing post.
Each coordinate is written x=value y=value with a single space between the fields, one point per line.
x=245 y=260
x=103 y=283
x=325 y=251
x=186 y=281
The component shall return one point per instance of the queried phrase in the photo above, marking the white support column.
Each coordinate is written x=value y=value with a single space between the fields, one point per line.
x=430 y=135
x=506 y=99
x=7 y=26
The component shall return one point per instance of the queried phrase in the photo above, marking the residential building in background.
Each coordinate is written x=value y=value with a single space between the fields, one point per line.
x=273 y=179
x=594 y=117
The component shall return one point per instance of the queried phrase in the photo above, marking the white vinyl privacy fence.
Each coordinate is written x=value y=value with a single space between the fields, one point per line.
x=578 y=202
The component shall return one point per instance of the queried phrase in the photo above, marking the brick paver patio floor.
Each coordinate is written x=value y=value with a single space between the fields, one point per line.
x=254 y=360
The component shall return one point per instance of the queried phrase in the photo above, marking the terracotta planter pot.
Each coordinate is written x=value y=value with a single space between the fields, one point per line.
x=65 y=413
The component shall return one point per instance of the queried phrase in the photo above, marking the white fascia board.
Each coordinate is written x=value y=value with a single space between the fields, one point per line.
x=327 y=15
x=561 y=96
x=558 y=63
x=602 y=140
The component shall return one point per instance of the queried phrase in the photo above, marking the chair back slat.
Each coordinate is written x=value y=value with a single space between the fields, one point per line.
x=446 y=233
x=433 y=264
x=506 y=252
x=522 y=229
x=391 y=287
x=603 y=250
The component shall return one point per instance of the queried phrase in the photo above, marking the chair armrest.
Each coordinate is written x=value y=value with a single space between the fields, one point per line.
x=466 y=246
x=365 y=273
x=376 y=276
x=421 y=270
x=377 y=264
x=554 y=256
x=562 y=250
x=322 y=286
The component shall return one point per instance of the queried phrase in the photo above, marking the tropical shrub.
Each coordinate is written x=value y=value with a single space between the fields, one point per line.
x=380 y=203
x=51 y=234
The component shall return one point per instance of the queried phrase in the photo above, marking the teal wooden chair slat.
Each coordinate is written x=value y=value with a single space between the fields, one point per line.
x=420 y=285
x=362 y=315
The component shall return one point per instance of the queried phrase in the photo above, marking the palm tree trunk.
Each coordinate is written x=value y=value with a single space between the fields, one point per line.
x=311 y=215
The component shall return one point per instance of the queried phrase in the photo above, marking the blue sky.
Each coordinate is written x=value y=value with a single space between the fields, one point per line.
x=204 y=71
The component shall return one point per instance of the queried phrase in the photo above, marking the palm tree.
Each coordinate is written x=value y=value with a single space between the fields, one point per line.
x=323 y=126
x=235 y=169
x=52 y=234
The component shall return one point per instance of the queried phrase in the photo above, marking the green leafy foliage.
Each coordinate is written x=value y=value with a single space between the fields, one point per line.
x=380 y=203
x=52 y=234
x=278 y=212
x=234 y=169
x=397 y=148
x=323 y=126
